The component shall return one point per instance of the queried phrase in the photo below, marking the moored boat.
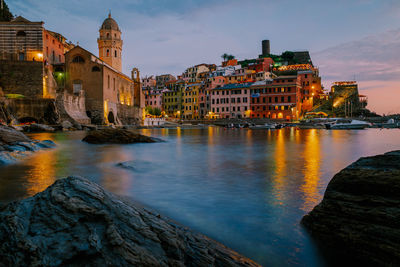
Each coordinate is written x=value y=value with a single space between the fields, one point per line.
x=347 y=124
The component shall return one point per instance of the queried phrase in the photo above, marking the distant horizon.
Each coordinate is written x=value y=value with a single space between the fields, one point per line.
x=166 y=38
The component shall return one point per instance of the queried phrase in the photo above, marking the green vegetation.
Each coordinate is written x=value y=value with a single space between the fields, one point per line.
x=153 y=111
x=5 y=14
x=227 y=57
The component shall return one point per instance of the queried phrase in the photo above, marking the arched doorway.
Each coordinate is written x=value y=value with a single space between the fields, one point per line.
x=110 y=117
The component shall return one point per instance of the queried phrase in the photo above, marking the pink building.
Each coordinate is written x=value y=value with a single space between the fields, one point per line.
x=231 y=101
x=153 y=98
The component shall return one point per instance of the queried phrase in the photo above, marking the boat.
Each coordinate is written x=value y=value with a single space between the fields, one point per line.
x=265 y=126
x=390 y=124
x=347 y=124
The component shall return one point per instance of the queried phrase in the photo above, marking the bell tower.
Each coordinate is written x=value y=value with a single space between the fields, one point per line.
x=110 y=43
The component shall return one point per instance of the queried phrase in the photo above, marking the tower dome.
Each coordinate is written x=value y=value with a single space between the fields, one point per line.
x=110 y=24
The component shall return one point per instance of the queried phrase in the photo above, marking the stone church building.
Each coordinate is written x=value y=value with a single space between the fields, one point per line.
x=110 y=95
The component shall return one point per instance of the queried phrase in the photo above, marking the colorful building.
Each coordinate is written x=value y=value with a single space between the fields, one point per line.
x=190 y=101
x=279 y=98
x=230 y=101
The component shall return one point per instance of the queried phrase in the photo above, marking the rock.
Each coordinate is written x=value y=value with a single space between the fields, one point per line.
x=9 y=135
x=117 y=136
x=75 y=222
x=45 y=144
x=139 y=165
x=66 y=125
x=77 y=126
x=6 y=158
x=12 y=148
x=359 y=216
x=35 y=127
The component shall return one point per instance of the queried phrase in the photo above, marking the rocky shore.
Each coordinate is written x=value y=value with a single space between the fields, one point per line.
x=117 y=136
x=358 y=220
x=75 y=222
x=15 y=145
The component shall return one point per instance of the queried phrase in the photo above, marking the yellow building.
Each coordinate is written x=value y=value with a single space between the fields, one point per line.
x=190 y=101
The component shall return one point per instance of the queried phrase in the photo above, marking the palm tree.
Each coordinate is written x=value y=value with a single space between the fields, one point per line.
x=224 y=56
x=230 y=57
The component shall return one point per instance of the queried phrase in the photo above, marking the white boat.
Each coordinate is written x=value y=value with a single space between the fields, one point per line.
x=389 y=124
x=265 y=126
x=347 y=124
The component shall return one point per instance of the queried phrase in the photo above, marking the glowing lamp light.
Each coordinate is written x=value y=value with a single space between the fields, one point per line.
x=40 y=55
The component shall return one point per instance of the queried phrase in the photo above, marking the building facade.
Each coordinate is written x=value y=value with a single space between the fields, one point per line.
x=111 y=97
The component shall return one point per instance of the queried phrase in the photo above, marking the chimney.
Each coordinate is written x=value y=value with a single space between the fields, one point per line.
x=265 y=48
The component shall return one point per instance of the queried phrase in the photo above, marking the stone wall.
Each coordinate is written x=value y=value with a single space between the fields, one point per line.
x=129 y=115
x=72 y=107
x=22 y=77
x=41 y=110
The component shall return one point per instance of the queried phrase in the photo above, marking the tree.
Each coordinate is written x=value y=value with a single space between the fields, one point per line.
x=149 y=110
x=5 y=14
x=156 y=112
x=224 y=56
x=230 y=57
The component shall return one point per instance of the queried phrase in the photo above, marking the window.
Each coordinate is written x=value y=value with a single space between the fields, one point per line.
x=108 y=35
x=269 y=99
x=289 y=98
x=276 y=99
x=282 y=99
x=78 y=59
x=244 y=99
x=96 y=69
x=21 y=56
x=22 y=34
x=114 y=83
x=108 y=82
x=59 y=58
x=238 y=108
x=217 y=109
x=223 y=109
x=115 y=53
x=238 y=100
x=108 y=53
x=77 y=86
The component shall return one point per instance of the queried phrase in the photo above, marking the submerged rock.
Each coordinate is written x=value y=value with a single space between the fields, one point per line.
x=359 y=216
x=117 y=136
x=75 y=222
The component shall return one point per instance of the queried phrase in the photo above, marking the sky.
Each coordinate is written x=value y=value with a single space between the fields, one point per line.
x=347 y=39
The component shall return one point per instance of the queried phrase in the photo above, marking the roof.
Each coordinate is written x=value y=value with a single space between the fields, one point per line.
x=101 y=62
x=234 y=86
x=21 y=20
x=110 y=24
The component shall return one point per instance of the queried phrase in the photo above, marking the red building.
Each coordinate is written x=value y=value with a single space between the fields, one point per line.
x=279 y=98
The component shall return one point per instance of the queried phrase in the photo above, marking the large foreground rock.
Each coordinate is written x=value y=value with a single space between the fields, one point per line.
x=359 y=216
x=116 y=136
x=75 y=222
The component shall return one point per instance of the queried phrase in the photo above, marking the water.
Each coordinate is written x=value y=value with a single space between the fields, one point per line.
x=246 y=189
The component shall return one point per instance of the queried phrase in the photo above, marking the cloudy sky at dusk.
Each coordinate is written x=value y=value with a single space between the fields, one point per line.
x=347 y=39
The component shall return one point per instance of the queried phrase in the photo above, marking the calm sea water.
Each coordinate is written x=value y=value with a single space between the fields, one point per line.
x=246 y=189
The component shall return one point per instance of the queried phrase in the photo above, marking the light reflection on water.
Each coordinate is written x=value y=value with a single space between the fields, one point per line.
x=246 y=189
